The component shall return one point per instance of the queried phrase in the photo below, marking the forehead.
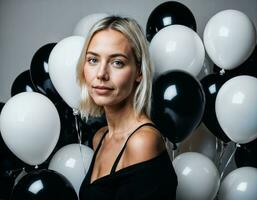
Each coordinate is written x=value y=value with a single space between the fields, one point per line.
x=109 y=40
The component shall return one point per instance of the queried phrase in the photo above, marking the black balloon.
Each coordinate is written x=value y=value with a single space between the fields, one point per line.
x=246 y=154
x=211 y=86
x=1 y=106
x=43 y=184
x=91 y=127
x=249 y=67
x=10 y=165
x=40 y=74
x=6 y=185
x=22 y=83
x=69 y=133
x=178 y=104
x=166 y=14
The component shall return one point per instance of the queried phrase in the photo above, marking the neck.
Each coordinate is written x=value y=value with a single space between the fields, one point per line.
x=121 y=119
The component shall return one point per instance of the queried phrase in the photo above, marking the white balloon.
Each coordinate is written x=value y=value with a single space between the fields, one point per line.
x=229 y=38
x=62 y=63
x=177 y=47
x=84 y=25
x=198 y=177
x=239 y=184
x=30 y=126
x=73 y=162
x=236 y=108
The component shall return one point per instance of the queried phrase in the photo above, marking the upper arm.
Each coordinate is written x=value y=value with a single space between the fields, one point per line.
x=97 y=137
x=143 y=145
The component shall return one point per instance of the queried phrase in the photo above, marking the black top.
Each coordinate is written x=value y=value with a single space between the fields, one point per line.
x=150 y=179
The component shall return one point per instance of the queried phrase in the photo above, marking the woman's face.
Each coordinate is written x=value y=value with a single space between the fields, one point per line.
x=110 y=69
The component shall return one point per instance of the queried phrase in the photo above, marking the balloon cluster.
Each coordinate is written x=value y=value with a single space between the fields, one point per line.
x=40 y=126
x=205 y=116
x=194 y=116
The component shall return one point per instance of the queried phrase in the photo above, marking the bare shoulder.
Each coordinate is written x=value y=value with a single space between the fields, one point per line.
x=144 y=144
x=98 y=135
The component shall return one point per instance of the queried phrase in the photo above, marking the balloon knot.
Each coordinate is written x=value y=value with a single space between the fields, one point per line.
x=222 y=72
x=75 y=111
x=238 y=145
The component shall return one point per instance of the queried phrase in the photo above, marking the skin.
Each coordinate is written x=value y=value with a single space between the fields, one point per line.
x=111 y=75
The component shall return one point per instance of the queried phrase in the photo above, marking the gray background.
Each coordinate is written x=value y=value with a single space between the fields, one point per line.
x=26 y=25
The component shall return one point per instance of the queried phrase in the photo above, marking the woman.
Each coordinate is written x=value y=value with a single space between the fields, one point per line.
x=115 y=74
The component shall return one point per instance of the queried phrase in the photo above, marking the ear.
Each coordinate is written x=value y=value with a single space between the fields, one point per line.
x=139 y=76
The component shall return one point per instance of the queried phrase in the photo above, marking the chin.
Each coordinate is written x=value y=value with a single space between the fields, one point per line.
x=109 y=100
x=103 y=101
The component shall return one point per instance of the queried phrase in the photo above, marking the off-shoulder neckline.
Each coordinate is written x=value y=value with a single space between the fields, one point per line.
x=125 y=169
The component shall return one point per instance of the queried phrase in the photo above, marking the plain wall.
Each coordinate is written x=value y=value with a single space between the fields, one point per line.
x=26 y=25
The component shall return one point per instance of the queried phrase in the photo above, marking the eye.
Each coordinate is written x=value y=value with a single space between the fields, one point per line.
x=92 y=60
x=118 y=63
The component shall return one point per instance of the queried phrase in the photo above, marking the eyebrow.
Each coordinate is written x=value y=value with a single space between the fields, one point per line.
x=112 y=55
x=90 y=52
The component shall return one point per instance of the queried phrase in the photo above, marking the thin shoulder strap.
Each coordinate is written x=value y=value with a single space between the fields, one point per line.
x=123 y=148
x=94 y=156
x=101 y=141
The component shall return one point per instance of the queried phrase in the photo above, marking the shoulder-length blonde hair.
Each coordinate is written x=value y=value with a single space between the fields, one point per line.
x=133 y=32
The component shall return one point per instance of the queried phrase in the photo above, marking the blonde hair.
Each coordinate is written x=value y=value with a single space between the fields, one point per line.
x=133 y=32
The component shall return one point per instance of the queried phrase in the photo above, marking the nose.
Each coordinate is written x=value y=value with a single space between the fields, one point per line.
x=102 y=73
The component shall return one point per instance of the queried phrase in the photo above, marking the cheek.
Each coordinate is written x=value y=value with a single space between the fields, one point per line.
x=87 y=74
x=87 y=80
x=126 y=81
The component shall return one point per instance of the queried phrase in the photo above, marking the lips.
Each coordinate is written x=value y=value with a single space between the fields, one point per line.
x=102 y=90
x=102 y=87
